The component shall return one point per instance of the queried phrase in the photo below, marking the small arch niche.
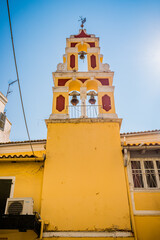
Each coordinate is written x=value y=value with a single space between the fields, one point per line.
x=82 y=63
x=82 y=58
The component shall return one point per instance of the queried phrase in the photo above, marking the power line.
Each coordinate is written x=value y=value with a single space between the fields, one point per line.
x=18 y=77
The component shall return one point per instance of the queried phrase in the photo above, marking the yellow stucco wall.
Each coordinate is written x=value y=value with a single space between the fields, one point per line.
x=147 y=201
x=28 y=179
x=148 y=227
x=84 y=184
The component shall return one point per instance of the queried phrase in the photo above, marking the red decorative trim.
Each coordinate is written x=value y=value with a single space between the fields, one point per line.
x=82 y=34
x=93 y=61
x=82 y=79
x=106 y=102
x=60 y=103
x=104 y=81
x=62 y=82
x=91 y=44
x=73 y=44
x=72 y=61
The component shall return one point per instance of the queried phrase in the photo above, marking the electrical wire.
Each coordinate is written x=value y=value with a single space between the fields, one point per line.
x=18 y=77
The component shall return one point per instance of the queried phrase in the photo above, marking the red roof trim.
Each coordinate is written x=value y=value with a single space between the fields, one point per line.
x=82 y=34
x=91 y=44
x=82 y=79
x=62 y=82
x=73 y=44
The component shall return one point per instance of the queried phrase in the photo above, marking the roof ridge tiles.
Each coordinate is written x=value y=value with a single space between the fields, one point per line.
x=148 y=131
x=41 y=140
x=26 y=141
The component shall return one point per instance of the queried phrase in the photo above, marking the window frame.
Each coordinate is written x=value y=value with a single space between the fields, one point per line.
x=144 y=175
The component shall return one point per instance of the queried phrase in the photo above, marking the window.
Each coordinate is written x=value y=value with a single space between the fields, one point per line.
x=2 y=121
x=150 y=174
x=137 y=174
x=146 y=174
x=158 y=168
x=6 y=191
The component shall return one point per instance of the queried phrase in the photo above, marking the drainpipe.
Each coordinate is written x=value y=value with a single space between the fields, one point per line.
x=42 y=225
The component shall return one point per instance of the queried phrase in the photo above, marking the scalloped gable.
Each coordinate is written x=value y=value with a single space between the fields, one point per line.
x=82 y=34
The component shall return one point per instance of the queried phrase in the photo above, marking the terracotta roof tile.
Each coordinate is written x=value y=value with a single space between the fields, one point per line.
x=44 y=140
x=141 y=144
x=149 y=131
x=17 y=156
x=32 y=141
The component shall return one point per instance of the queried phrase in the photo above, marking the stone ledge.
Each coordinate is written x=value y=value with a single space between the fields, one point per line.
x=84 y=120
x=115 y=234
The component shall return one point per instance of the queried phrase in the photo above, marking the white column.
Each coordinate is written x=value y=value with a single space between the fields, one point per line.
x=83 y=96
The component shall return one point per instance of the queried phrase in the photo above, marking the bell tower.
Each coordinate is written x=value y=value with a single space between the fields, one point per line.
x=97 y=81
x=84 y=188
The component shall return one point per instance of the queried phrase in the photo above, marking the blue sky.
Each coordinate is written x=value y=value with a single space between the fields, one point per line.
x=129 y=34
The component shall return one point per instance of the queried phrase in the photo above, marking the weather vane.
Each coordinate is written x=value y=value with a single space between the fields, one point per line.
x=83 y=20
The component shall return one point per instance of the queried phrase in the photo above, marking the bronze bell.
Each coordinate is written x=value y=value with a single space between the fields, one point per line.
x=92 y=94
x=74 y=100
x=82 y=55
x=92 y=100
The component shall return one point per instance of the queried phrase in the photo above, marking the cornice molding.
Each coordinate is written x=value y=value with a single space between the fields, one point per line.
x=106 y=88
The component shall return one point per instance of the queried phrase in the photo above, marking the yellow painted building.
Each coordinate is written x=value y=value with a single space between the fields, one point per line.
x=85 y=180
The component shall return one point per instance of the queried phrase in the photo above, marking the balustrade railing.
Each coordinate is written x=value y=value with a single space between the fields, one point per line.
x=82 y=111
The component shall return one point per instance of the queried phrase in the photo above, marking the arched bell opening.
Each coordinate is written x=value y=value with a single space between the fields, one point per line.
x=92 y=85
x=82 y=62
x=92 y=108
x=82 y=47
x=74 y=85
x=82 y=57
x=74 y=107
